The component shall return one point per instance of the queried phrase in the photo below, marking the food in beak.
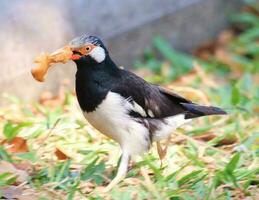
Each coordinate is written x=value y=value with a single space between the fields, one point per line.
x=45 y=60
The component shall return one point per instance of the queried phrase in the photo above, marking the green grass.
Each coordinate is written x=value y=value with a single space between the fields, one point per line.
x=224 y=166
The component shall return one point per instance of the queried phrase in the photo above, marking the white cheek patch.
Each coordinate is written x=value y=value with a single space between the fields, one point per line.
x=98 y=54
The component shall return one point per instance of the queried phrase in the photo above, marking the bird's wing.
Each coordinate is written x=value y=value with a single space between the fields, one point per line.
x=148 y=100
x=173 y=96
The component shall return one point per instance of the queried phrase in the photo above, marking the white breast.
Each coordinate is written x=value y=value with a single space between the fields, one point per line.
x=111 y=118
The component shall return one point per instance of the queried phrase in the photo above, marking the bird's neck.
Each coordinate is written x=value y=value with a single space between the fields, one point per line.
x=93 y=81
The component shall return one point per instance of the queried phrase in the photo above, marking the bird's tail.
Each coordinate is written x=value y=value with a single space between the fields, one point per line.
x=195 y=110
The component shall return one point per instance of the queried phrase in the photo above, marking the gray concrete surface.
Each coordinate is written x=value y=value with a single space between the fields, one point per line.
x=29 y=27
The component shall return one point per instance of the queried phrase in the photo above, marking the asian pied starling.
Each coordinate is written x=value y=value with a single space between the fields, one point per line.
x=125 y=107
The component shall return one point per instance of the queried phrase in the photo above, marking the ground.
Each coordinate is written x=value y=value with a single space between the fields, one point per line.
x=49 y=151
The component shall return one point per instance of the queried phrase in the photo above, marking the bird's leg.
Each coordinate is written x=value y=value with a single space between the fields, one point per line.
x=161 y=152
x=122 y=171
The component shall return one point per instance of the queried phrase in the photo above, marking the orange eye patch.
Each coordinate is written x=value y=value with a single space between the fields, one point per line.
x=84 y=50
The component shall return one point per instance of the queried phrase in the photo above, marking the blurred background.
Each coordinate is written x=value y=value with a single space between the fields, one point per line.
x=127 y=27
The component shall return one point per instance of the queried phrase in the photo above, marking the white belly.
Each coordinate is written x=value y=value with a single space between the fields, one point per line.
x=111 y=118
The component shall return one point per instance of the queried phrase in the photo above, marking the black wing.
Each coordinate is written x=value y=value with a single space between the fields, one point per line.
x=156 y=101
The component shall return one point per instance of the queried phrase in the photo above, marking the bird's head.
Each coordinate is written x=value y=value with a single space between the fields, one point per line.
x=88 y=49
x=85 y=51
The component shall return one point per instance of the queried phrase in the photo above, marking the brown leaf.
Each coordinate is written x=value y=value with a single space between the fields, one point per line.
x=21 y=192
x=11 y=192
x=25 y=165
x=205 y=50
x=251 y=9
x=205 y=137
x=210 y=136
x=16 y=145
x=9 y=167
x=61 y=155
x=227 y=141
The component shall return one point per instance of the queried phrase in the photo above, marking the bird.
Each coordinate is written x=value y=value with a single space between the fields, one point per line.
x=123 y=106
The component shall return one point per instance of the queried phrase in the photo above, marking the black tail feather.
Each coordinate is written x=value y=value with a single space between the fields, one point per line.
x=195 y=110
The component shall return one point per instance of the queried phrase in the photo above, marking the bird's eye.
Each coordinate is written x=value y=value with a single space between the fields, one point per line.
x=87 y=48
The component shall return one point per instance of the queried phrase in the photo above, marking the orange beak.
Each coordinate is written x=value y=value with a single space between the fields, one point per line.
x=75 y=57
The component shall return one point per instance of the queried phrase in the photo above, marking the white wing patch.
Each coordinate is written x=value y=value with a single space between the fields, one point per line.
x=98 y=54
x=137 y=108
x=150 y=113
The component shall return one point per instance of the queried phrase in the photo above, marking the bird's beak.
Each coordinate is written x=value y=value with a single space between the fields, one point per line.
x=45 y=61
x=75 y=57
x=76 y=52
x=67 y=52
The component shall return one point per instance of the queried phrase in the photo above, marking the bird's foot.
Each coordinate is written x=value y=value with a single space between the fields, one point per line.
x=161 y=152
x=113 y=183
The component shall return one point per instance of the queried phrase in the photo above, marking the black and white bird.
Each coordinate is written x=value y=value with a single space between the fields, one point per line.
x=125 y=107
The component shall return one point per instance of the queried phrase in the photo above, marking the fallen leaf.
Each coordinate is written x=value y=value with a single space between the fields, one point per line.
x=227 y=141
x=210 y=136
x=21 y=192
x=205 y=137
x=11 y=192
x=205 y=50
x=60 y=155
x=251 y=9
x=16 y=145
x=26 y=166
x=9 y=167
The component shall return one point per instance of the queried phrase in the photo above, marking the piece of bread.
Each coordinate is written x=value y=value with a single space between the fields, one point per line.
x=45 y=60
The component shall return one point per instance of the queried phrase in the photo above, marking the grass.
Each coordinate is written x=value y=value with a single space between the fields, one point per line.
x=58 y=155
